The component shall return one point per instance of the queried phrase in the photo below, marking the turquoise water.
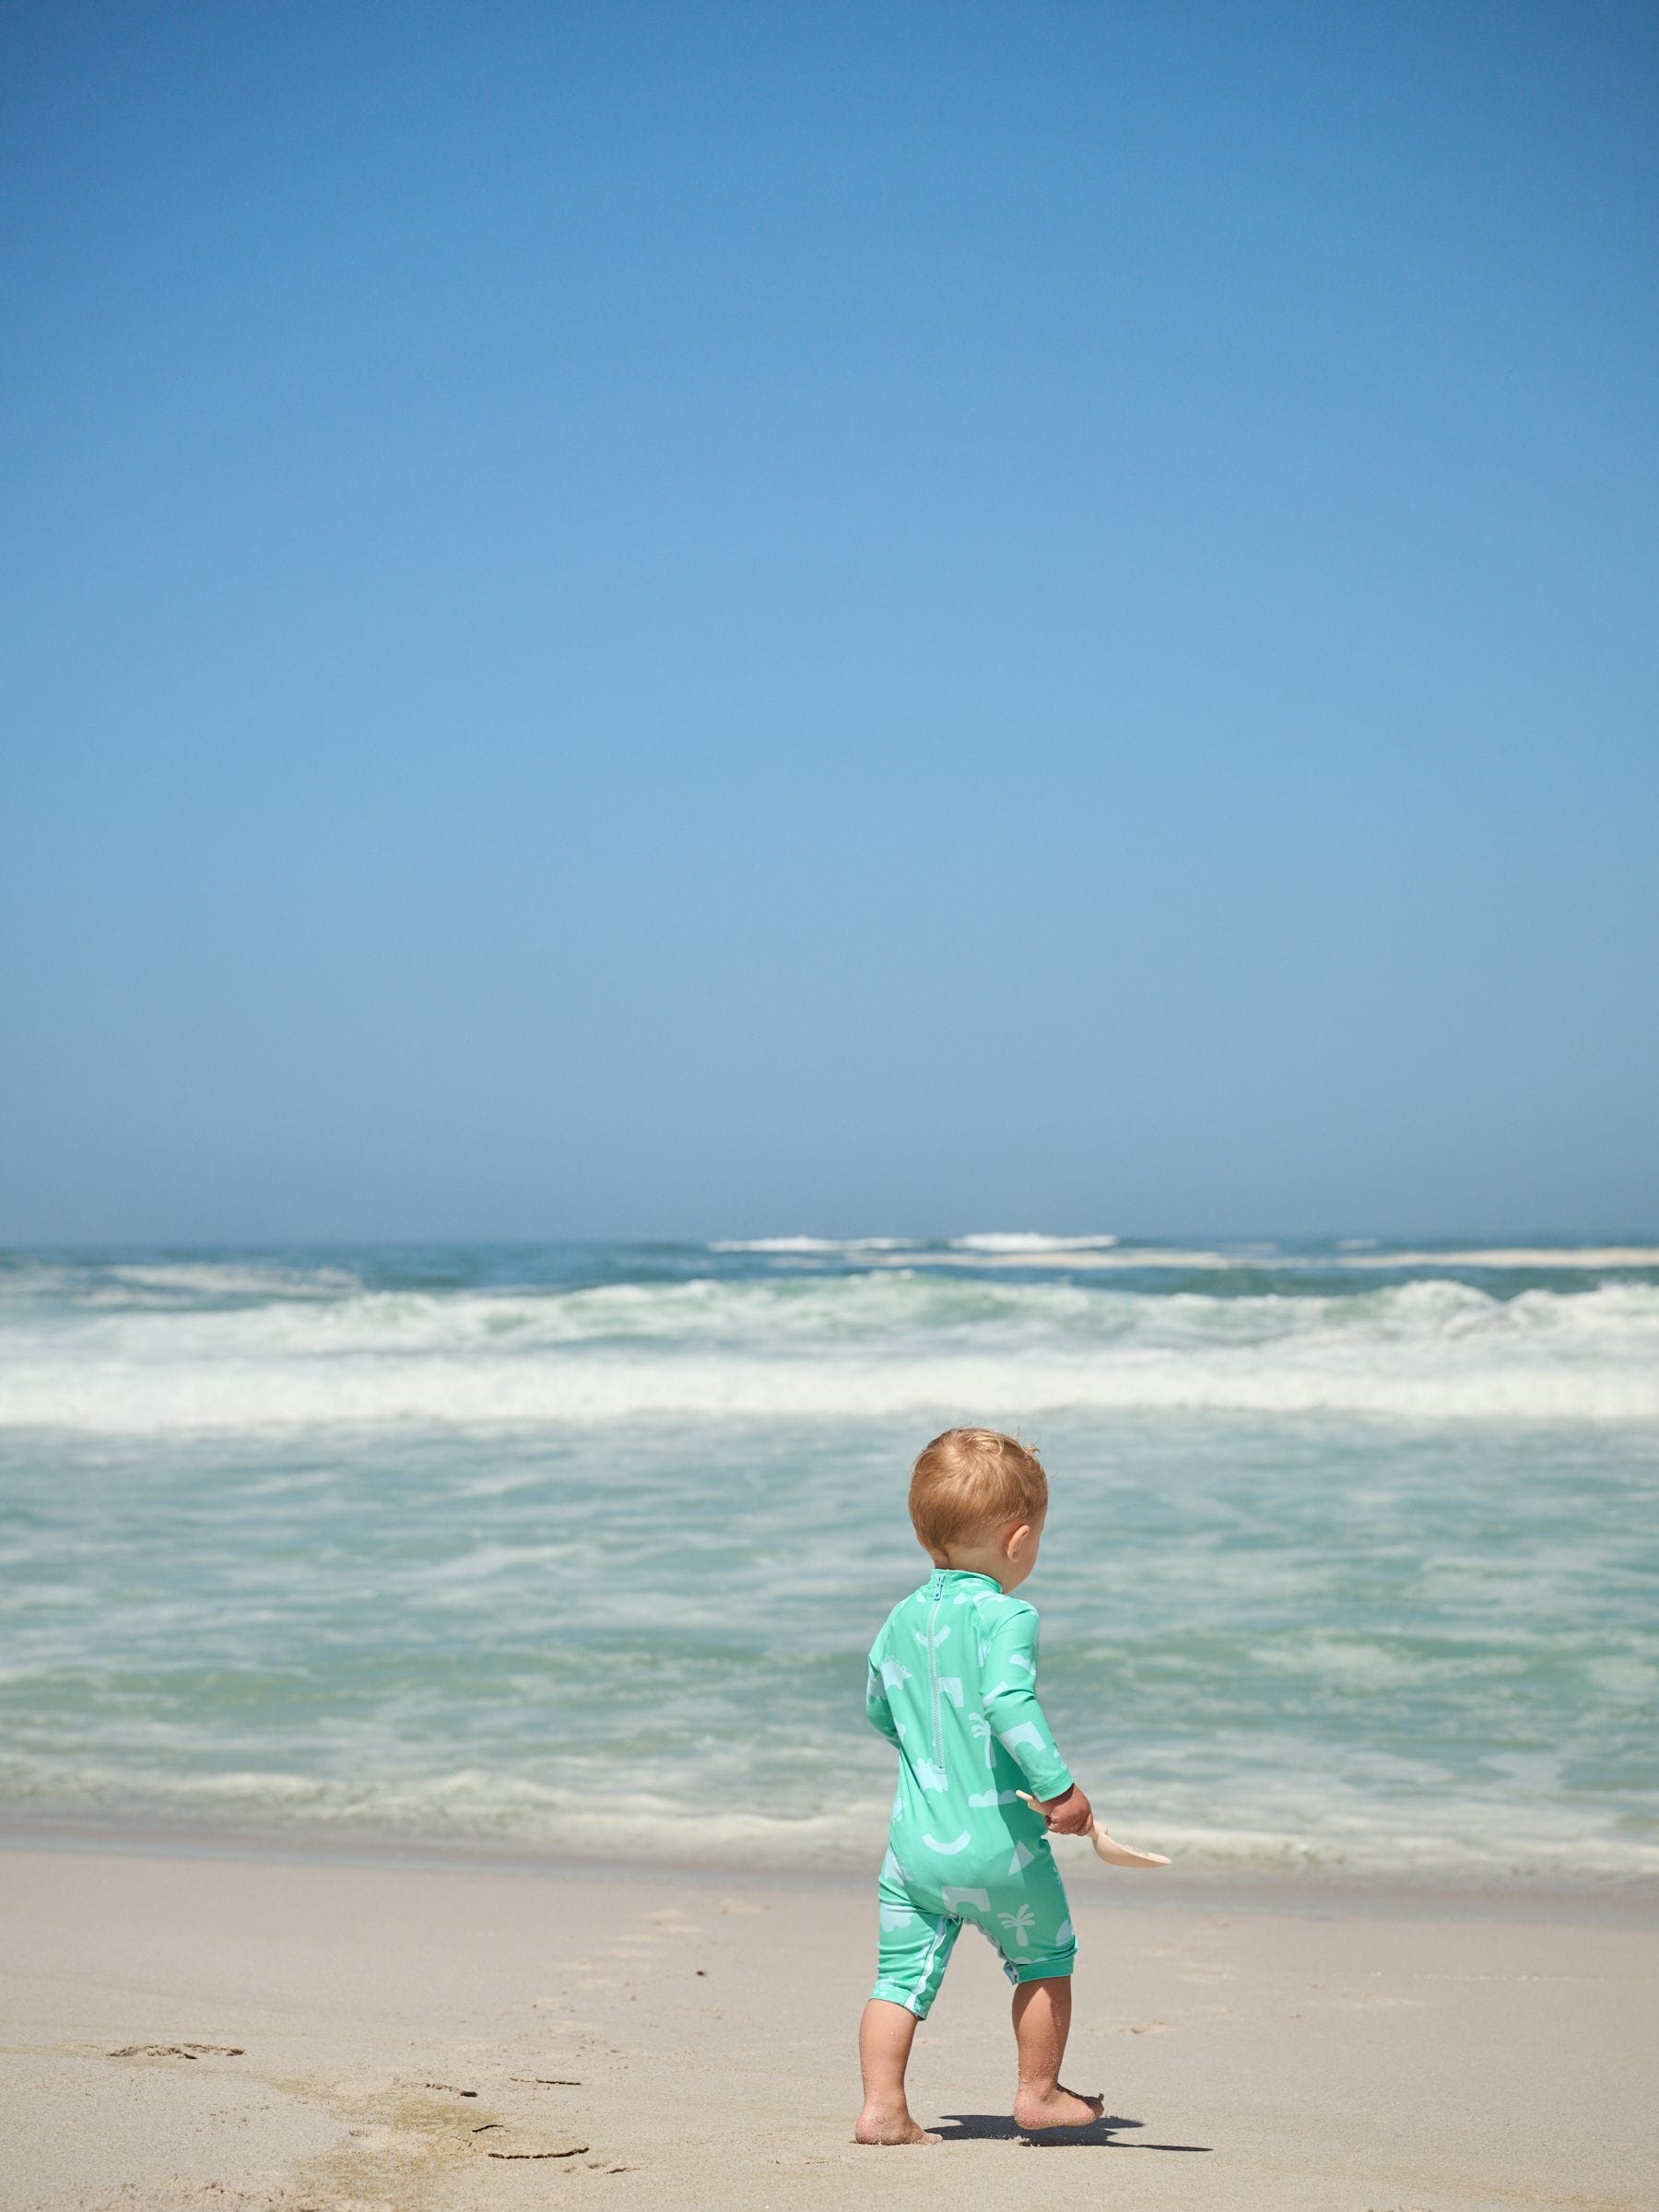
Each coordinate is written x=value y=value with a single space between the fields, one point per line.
x=1352 y=1563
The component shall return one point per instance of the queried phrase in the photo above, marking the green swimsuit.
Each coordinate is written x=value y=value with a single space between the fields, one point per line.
x=953 y=1683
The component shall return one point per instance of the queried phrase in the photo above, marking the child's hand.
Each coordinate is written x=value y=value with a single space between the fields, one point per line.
x=1069 y=1815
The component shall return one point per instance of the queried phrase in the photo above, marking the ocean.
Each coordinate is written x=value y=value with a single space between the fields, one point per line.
x=1351 y=1568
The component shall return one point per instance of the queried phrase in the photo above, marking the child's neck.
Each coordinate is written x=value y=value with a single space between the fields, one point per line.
x=972 y=1560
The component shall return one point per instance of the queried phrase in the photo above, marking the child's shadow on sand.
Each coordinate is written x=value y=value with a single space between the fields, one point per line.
x=997 y=2127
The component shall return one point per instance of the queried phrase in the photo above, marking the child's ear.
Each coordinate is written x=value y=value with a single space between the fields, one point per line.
x=1019 y=1537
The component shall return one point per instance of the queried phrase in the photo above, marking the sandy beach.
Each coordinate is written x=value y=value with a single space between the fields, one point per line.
x=236 y=2029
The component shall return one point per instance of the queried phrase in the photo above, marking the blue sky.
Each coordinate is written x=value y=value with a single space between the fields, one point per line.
x=658 y=620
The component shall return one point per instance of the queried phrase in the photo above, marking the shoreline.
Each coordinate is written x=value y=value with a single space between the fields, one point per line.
x=1606 y=1902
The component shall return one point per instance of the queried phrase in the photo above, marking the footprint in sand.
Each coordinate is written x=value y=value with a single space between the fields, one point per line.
x=178 y=2051
x=403 y=2138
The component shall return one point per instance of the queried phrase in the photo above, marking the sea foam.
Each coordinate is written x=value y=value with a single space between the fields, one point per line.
x=885 y=1343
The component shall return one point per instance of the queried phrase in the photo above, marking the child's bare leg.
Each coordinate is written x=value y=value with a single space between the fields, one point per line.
x=1042 y=2023
x=885 y=2036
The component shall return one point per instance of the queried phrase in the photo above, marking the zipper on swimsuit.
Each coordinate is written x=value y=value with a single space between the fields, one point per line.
x=933 y=1667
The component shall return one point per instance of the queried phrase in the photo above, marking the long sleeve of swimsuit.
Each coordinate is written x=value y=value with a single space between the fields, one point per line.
x=878 y=1711
x=1010 y=1695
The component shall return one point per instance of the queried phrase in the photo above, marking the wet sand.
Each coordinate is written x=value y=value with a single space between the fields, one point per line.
x=266 y=2034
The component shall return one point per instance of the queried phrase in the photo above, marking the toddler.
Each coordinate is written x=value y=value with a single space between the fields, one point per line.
x=953 y=1685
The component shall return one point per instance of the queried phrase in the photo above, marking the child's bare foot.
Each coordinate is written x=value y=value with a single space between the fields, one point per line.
x=889 y=2124
x=1058 y=2106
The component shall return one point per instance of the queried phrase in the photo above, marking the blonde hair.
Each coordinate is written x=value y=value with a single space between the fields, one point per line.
x=969 y=1480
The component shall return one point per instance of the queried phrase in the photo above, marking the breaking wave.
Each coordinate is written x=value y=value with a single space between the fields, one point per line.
x=141 y=1356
